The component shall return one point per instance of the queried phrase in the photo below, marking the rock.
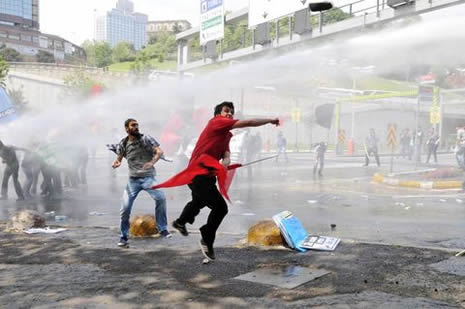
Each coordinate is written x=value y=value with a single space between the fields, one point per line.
x=265 y=233
x=143 y=225
x=25 y=220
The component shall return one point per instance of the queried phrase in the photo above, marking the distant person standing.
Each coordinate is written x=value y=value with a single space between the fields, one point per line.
x=320 y=150
x=371 y=147
x=142 y=152
x=281 y=144
x=418 y=144
x=31 y=169
x=432 y=145
x=405 y=140
x=8 y=155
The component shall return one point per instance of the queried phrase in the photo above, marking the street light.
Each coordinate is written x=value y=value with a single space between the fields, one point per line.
x=320 y=6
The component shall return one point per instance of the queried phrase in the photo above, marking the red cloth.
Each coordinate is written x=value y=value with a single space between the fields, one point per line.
x=203 y=165
x=210 y=148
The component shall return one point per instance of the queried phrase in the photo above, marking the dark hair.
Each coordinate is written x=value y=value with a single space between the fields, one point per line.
x=220 y=106
x=126 y=123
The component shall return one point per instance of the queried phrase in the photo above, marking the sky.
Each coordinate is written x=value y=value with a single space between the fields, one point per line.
x=74 y=19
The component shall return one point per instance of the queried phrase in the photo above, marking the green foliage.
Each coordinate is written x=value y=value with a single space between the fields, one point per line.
x=99 y=54
x=45 y=57
x=329 y=17
x=123 y=51
x=142 y=65
x=161 y=47
x=4 y=68
x=80 y=84
x=236 y=36
x=17 y=98
x=10 y=54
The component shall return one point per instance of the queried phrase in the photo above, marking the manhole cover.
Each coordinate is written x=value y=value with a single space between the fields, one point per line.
x=287 y=277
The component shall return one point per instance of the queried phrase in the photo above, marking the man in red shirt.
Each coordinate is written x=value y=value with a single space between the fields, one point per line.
x=213 y=143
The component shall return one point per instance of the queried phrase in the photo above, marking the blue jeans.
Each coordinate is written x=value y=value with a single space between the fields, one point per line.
x=134 y=186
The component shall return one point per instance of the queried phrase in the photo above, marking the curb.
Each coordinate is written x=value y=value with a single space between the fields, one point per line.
x=451 y=184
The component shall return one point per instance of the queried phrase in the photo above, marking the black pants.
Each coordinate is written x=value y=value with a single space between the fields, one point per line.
x=432 y=150
x=375 y=153
x=205 y=193
x=320 y=161
x=32 y=177
x=12 y=170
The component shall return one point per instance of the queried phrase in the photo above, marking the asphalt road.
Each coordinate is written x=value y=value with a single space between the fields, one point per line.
x=344 y=196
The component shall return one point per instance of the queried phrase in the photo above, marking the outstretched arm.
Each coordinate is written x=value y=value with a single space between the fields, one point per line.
x=254 y=123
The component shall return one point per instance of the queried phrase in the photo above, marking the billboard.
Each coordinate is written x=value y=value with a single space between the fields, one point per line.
x=211 y=20
x=261 y=11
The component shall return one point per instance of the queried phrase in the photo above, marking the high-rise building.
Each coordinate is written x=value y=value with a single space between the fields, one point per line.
x=19 y=29
x=20 y=13
x=121 y=24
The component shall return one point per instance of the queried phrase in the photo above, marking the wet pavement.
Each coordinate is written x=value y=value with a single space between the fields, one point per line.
x=344 y=197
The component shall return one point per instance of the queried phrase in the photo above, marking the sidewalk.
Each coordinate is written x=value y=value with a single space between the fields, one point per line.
x=83 y=268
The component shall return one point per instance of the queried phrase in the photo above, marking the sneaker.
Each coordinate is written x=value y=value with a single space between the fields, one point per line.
x=207 y=250
x=181 y=228
x=166 y=234
x=123 y=242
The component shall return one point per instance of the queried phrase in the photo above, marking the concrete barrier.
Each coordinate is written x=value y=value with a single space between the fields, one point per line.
x=438 y=185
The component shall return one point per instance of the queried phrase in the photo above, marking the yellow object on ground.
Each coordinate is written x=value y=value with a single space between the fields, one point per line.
x=265 y=233
x=143 y=225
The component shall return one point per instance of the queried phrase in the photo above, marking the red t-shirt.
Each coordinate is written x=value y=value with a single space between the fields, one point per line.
x=214 y=139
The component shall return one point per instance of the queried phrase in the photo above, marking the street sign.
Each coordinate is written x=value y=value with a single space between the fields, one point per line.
x=296 y=115
x=392 y=136
x=435 y=114
x=262 y=11
x=211 y=20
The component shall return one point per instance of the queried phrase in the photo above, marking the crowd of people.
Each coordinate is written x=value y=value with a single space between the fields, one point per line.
x=59 y=165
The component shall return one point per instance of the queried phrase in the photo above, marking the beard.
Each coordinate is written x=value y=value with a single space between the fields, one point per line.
x=134 y=133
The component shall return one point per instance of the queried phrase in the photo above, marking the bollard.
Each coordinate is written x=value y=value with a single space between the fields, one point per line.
x=350 y=147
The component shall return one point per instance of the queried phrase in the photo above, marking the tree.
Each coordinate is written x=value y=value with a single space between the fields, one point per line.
x=17 y=98
x=10 y=54
x=45 y=57
x=4 y=68
x=329 y=17
x=142 y=63
x=99 y=54
x=177 y=28
x=123 y=51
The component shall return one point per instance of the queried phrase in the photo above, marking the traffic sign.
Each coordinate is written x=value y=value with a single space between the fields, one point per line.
x=392 y=136
x=435 y=114
x=211 y=20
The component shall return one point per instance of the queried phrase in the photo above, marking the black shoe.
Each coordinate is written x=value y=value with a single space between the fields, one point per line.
x=180 y=227
x=207 y=250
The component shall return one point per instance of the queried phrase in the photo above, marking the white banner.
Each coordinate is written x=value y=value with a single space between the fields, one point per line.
x=261 y=11
x=211 y=20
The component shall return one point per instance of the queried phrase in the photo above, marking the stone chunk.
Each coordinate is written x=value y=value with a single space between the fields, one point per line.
x=265 y=233
x=143 y=225
x=25 y=220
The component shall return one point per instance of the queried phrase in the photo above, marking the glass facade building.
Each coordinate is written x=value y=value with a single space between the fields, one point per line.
x=20 y=13
x=121 y=24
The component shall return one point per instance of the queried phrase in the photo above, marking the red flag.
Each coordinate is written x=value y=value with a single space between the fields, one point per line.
x=203 y=165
